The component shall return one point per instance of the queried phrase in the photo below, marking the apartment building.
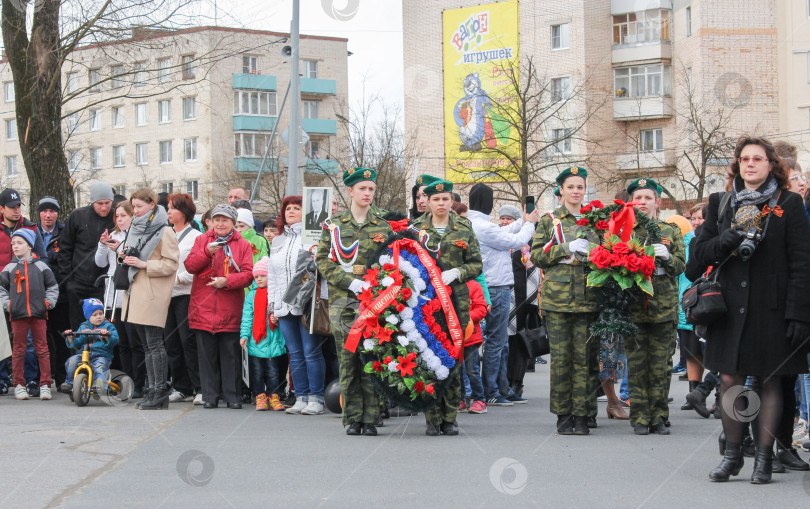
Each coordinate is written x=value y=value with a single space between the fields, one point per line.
x=189 y=111
x=646 y=71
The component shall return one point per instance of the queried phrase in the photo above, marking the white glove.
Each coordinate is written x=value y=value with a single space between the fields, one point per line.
x=358 y=285
x=661 y=251
x=578 y=246
x=451 y=275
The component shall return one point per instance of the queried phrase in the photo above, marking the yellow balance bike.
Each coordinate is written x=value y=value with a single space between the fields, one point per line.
x=119 y=386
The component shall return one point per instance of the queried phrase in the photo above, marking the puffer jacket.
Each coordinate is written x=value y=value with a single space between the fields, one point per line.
x=28 y=288
x=218 y=309
x=683 y=284
x=478 y=311
x=271 y=345
x=99 y=347
x=257 y=242
x=283 y=259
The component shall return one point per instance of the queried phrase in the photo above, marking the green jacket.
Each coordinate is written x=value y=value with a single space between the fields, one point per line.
x=271 y=345
x=458 y=249
x=258 y=242
x=563 y=288
x=663 y=305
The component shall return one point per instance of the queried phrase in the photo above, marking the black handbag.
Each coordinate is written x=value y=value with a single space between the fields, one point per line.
x=703 y=302
x=535 y=341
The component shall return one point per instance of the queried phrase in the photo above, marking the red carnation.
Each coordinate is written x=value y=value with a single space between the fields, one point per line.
x=429 y=389
x=400 y=308
x=388 y=267
x=406 y=293
x=597 y=204
x=621 y=248
x=632 y=263
x=388 y=360
x=600 y=257
x=586 y=209
x=377 y=366
x=647 y=266
x=419 y=387
x=602 y=225
x=582 y=222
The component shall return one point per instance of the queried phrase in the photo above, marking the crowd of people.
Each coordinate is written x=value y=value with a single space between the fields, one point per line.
x=177 y=303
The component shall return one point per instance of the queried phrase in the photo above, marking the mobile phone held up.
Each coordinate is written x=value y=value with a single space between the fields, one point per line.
x=218 y=243
x=529 y=204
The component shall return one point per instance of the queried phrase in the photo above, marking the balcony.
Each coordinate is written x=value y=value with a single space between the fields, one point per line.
x=642 y=108
x=253 y=123
x=314 y=86
x=321 y=166
x=645 y=51
x=645 y=160
x=625 y=6
x=319 y=125
x=251 y=164
x=254 y=81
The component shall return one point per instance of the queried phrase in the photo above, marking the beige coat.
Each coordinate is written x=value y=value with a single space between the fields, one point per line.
x=151 y=290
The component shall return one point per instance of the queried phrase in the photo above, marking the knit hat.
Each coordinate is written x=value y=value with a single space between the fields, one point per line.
x=27 y=235
x=244 y=216
x=261 y=267
x=224 y=210
x=509 y=211
x=48 y=203
x=481 y=198
x=90 y=305
x=100 y=191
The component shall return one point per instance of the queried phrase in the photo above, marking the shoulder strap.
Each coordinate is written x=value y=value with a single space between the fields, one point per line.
x=722 y=209
x=185 y=232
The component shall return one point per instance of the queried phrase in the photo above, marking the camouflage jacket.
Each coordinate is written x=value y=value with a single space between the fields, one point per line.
x=458 y=249
x=663 y=305
x=563 y=289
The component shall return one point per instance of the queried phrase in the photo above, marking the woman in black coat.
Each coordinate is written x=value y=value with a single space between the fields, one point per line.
x=766 y=328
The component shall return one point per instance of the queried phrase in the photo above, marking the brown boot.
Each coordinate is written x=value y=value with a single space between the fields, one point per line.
x=616 y=411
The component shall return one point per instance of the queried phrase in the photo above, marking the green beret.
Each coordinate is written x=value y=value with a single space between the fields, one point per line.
x=574 y=171
x=439 y=186
x=557 y=192
x=644 y=183
x=426 y=180
x=354 y=175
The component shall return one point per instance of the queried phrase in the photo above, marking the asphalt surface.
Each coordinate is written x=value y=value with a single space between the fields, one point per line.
x=58 y=455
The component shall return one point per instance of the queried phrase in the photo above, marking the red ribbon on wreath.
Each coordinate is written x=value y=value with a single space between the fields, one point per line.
x=621 y=223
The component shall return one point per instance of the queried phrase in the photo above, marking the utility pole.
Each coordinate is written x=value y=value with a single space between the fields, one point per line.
x=294 y=183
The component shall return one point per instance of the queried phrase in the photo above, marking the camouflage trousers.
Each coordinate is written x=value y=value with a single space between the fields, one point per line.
x=446 y=408
x=574 y=367
x=360 y=401
x=668 y=381
x=648 y=356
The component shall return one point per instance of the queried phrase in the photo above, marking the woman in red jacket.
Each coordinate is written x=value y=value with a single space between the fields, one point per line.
x=478 y=311
x=222 y=264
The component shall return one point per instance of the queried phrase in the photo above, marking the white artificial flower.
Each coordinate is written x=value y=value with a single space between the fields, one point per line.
x=407 y=325
x=413 y=301
x=386 y=259
x=403 y=340
x=442 y=372
x=413 y=336
x=387 y=281
x=392 y=366
x=433 y=363
x=406 y=314
x=404 y=265
x=419 y=285
x=421 y=344
x=368 y=344
x=392 y=319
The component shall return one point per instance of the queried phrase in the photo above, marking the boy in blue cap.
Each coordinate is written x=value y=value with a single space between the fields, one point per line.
x=105 y=337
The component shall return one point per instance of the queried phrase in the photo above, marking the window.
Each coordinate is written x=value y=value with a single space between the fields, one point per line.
x=189 y=67
x=72 y=82
x=11 y=129
x=140 y=74
x=643 y=80
x=167 y=187
x=8 y=88
x=250 y=144
x=11 y=166
x=164 y=74
x=559 y=36
x=73 y=160
x=560 y=88
x=310 y=109
x=120 y=189
x=95 y=120
x=141 y=154
x=191 y=188
x=253 y=102
x=190 y=150
x=140 y=114
x=562 y=141
x=95 y=158
x=688 y=21
x=189 y=108
x=249 y=65
x=118 y=156
x=643 y=26
x=689 y=80
x=164 y=112
x=314 y=145
x=165 y=152
x=94 y=77
x=73 y=122
x=652 y=140
x=117 y=117
x=310 y=68
x=77 y=196
x=117 y=72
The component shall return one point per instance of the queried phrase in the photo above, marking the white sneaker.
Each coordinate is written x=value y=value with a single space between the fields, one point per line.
x=20 y=392
x=178 y=397
x=198 y=399
x=44 y=392
x=299 y=406
x=800 y=433
x=312 y=408
x=602 y=398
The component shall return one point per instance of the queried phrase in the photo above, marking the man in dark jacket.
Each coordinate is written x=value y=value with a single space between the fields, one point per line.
x=11 y=220
x=77 y=247
x=50 y=227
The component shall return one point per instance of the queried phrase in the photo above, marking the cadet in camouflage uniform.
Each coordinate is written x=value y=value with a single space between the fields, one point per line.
x=568 y=306
x=442 y=232
x=343 y=267
x=649 y=353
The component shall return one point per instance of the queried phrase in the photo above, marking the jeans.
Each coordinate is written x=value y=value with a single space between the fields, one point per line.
x=471 y=364
x=263 y=375
x=804 y=381
x=466 y=381
x=155 y=357
x=100 y=365
x=496 y=352
x=624 y=389
x=307 y=366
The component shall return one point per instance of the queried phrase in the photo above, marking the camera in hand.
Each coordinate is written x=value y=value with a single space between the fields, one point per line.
x=749 y=244
x=128 y=251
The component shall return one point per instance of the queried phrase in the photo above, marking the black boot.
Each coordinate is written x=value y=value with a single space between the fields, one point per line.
x=688 y=405
x=160 y=401
x=565 y=425
x=731 y=465
x=581 y=425
x=721 y=440
x=148 y=395
x=763 y=464
x=697 y=398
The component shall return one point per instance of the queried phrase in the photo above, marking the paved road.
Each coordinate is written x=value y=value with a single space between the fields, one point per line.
x=58 y=455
